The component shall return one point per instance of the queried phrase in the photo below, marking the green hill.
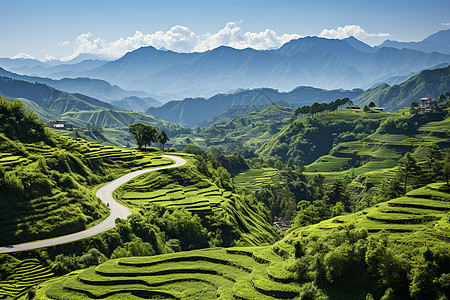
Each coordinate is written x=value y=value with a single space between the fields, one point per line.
x=309 y=138
x=426 y=84
x=115 y=125
x=48 y=181
x=237 y=127
x=348 y=139
x=50 y=99
x=232 y=217
x=400 y=252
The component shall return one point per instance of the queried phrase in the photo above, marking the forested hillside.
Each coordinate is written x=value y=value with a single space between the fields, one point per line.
x=426 y=84
x=47 y=180
x=192 y=111
x=50 y=99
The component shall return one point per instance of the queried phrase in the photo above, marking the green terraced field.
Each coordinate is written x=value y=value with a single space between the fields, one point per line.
x=253 y=179
x=26 y=274
x=61 y=210
x=249 y=272
x=421 y=210
x=185 y=188
x=239 y=273
x=190 y=198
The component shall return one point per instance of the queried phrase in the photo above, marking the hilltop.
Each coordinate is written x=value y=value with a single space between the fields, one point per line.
x=437 y=42
x=81 y=110
x=94 y=88
x=192 y=111
x=51 y=100
x=47 y=180
x=308 y=61
x=428 y=83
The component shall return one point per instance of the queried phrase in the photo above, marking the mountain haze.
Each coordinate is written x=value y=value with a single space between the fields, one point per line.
x=137 y=104
x=437 y=42
x=48 y=98
x=191 y=111
x=312 y=61
x=95 y=88
x=428 y=83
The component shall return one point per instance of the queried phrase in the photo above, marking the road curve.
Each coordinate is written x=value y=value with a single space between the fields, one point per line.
x=105 y=194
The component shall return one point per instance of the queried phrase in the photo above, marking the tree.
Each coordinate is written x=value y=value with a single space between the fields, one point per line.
x=149 y=135
x=371 y=105
x=408 y=168
x=446 y=170
x=366 y=108
x=162 y=138
x=137 y=130
x=434 y=156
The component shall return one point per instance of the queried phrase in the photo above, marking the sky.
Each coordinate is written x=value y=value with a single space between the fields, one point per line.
x=63 y=29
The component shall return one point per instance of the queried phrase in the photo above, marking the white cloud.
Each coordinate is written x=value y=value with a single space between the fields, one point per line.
x=23 y=56
x=182 y=39
x=62 y=44
x=350 y=30
x=446 y=24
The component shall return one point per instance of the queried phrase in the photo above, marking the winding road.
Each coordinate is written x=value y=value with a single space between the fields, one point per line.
x=105 y=193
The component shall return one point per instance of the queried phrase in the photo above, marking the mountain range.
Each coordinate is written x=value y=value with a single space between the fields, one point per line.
x=437 y=42
x=190 y=111
x=426 y=84
x=309 y=61
x=53 y=101
x=95 y=88
x=137 y=104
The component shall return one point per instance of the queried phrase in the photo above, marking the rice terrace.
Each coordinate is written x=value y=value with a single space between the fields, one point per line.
x=225 y=150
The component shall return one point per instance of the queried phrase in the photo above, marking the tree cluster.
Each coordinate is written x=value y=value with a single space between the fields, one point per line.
x=316 y=107
x=373 y=266
x=414 y=173
x=145 y=135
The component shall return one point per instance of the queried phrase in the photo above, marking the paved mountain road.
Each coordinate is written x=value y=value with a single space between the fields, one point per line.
x=117 y=210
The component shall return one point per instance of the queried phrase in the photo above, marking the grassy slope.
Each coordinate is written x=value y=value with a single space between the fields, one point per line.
x=250 y=127
x=374 y=154
x=186 y=188
x=428 y=83
x=52 y=100
x=70 y=205
x=309 y=138
x=25 y=274
x=253 y=272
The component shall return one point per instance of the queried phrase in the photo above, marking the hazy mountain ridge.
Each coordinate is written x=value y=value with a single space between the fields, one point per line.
x=53 y=100
x=137 y=104
x=58 y=71
x=428 y=83
x=313 y=61
x=437 y=42
x=191 y=111
x=95 y=88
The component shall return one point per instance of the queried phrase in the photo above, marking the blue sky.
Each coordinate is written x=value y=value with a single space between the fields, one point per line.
x=111 y=28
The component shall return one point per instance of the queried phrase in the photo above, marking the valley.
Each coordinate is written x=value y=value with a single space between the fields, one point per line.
x=227 y=164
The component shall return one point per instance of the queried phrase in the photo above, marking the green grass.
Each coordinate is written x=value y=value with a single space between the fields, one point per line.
x=186 y=188
x=422 y=211
x=253 y=179
x=26 y=274
x=250 y=127
x=259 y=272
x=70 y=204
x=200 y=274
